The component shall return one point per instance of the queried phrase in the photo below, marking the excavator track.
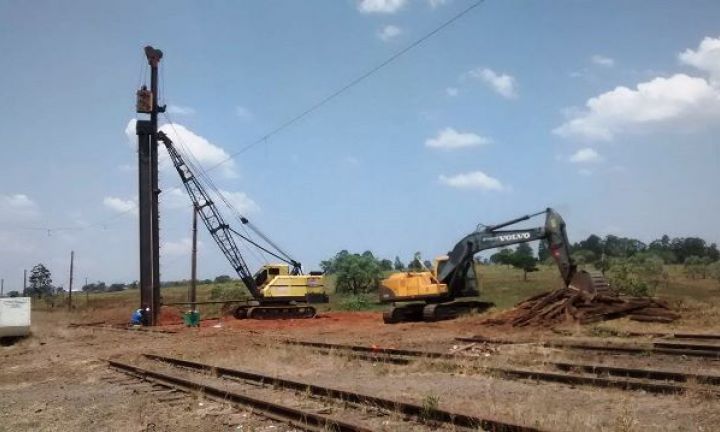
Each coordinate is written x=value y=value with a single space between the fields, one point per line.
x=274 y=312
x=433 y=312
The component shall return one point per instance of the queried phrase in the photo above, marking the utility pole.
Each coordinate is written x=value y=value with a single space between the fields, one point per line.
x=72 y=259
x=192 y=295
x=2 y=287
x=148 y=192
x=24 y=283
x=87 y=293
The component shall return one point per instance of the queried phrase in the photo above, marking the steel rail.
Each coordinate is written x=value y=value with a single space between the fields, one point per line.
x=420 y=412
x=302 y=419
x=625 y=384
x=694 y=350
x=654 y=374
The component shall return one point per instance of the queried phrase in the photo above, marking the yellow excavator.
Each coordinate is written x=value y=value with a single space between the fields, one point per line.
x=446 y=290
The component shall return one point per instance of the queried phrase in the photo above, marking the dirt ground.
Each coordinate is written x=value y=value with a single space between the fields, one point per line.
x=57 y=379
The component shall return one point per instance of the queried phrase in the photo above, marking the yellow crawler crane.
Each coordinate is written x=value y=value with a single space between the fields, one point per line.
x=438 y=294
x=277 y=290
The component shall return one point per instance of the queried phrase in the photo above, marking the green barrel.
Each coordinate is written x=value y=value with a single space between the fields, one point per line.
x=191 y=318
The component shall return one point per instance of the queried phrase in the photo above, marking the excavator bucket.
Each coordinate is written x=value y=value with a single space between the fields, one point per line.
x=589 y=284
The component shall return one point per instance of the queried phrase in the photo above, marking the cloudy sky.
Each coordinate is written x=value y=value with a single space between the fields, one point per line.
x=607 y=111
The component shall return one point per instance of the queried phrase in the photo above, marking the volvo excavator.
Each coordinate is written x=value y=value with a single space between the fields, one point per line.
x=442 y=292
x=278 y=290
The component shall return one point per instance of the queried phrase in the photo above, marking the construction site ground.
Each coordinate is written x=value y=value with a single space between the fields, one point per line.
x=55 y=380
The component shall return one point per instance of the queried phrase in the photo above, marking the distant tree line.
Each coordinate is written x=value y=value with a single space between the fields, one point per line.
x=672 y=251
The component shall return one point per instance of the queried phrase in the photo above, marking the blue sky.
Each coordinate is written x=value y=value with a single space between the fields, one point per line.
x=607 y=111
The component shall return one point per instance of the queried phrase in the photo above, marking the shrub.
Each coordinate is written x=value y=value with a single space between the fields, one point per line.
x=355 y=303
x=638 y=275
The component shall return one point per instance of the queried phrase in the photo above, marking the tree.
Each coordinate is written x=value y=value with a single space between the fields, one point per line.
x=428 y=264
x=13 y=294
x=116 y=287
x=357 y=274
x=593 y=243
x=543 y=251
x=386 y=264
x=503 y=256
x=223 y=279
x=416 y=263
x=328 y=266
x=40 y=282
x=583 y=256
x=398 y=265
x=524 y=259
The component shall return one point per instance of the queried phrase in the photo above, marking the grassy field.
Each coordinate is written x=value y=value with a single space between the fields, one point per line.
x=500 y=284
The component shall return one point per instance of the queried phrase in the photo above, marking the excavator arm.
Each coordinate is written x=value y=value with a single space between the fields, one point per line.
x=460 y=258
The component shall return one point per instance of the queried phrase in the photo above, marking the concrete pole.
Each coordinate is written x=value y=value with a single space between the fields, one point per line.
x=72 y=259
x=192 y=297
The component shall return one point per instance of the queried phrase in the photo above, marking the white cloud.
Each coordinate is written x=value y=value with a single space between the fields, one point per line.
x=602 y=60
x=175 y=198
x=380 y=6
x=352 y=160
x=449 y=139
x=472 y=180
x=180 y=110
x=452 y=91
x=243 y=113
x=243 y=203
x=680 y=102
x=389 y=32
x=586 y=155
x=121 y=205
x=178 y=248
x=503 y=84
x=205 y=152
x=17 y=207
x=706 y=58
x=436 y=3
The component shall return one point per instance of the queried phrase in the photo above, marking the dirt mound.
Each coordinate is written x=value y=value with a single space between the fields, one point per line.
x=569 y=304
x=169 y=316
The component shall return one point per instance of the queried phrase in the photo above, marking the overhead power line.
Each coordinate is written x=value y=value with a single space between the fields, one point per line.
x=351 y=84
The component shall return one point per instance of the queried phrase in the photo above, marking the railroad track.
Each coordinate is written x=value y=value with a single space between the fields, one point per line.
x=649 y=380
x=121 y=328
x=655 y=347
x=393 y=414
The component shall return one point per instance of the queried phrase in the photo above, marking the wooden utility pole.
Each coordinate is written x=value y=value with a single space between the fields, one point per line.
x=192 y=295
x=72 y=259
